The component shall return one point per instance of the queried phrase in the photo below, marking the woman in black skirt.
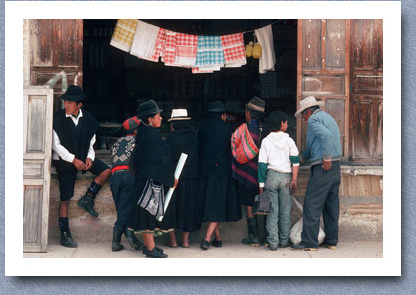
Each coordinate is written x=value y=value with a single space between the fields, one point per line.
x=181 y=211
x=216 y=203
x=152 y=164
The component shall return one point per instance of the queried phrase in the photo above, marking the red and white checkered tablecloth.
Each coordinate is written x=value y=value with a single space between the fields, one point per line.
x=159 y=46
x=186 y=48
x=234 y=50
x=169 y=48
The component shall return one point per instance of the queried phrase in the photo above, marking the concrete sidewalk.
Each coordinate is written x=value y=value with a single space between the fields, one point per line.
x=230 y=249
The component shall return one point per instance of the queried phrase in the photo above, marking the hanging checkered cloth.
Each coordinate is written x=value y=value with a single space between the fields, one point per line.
x=144 y=40
x=186 y=48
x=159 y=46
x=201 y=71
x=169 y=50
x=209 y=53
x=123 y=34
x=234 y=50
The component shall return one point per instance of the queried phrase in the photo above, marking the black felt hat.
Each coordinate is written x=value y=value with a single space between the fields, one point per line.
x=149 y=107
x=73 y=93
x=216 y=107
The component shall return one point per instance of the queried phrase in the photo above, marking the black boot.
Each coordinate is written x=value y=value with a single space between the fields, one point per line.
x=253 y=239
x=117 y=233
x=87 y=203
x=134 y=242
x=66 y=240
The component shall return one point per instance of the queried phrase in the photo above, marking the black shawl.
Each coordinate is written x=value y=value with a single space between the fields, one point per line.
x=214 y=142
x=153 y=157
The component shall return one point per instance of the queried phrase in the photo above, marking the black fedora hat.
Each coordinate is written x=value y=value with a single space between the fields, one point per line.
x=216 y=107
x=256 y=104
x=149 y=107
x=73 y=93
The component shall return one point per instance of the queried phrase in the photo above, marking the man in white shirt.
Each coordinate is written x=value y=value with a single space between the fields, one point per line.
x=72 y=143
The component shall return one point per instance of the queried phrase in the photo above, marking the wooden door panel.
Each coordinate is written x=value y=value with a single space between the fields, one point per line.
x=318 y=85
x=37 y=149
x=367 y=83
x=363 y=129
x=336 y=108
x=32 y=213
x=366 y=121
x=311 y=48
x=335 y=44
x=378 y=150
x=365 y=55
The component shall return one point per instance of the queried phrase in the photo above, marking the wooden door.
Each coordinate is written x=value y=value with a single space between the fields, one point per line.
x=56 y=45
x=37 y=149
x=323 y=72
x=366 y=124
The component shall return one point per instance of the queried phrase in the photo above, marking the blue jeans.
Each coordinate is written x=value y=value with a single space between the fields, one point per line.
x=278 y=221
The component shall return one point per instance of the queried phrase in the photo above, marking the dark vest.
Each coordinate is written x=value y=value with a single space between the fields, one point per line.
x=76 y=139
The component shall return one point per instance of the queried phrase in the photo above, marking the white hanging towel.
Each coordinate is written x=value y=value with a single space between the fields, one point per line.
x=268 y=59
x=144 y=40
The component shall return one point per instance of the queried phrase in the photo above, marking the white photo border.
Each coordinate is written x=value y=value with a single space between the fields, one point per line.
x=390 y=12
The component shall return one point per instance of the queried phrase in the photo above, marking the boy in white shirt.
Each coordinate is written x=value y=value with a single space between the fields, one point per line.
x=278 y=156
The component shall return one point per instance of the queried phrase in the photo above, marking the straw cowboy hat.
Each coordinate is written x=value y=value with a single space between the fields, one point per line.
x=179 y=114
x=308 y=102
x=256 y=104
x=73 y=93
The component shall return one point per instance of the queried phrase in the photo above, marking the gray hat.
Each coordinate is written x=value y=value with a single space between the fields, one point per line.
x=216 y=107
x=256 y=104
x=73 y=93
x=149 y=107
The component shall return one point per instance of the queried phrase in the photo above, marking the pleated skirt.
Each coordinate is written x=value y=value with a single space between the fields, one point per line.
x=181 y=212
x=217 y=198
x=140 y=220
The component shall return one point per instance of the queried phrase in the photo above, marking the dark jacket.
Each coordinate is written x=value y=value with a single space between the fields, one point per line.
x=214 y=142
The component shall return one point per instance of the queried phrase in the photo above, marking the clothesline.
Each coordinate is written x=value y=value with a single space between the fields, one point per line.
x=203 y=54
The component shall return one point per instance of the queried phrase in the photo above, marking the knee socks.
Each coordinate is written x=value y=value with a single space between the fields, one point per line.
x=93 y=190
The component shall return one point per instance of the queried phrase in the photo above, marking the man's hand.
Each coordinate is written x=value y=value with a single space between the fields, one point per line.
x=88 y=164
x=261 y=190
x=78 y=164
x=327 y=165
x=293 y=187
x=176 y=183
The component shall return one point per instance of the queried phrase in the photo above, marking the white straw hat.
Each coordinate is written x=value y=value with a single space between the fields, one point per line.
x=308 y=102
x=179 y=114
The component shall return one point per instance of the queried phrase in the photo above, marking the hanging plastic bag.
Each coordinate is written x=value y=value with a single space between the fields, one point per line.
x=296 y=230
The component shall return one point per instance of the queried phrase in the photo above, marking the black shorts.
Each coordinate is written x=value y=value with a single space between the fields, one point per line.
x=67 y=179
x=247 y=194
